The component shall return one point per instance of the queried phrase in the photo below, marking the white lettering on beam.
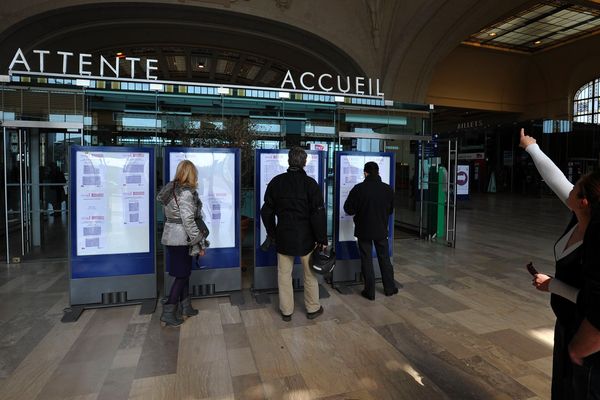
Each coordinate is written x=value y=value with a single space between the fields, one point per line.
x=358 y=85
x=19 y=58
x=65 y=55
x=302 y=80
x=82 y=62
x=41 y=53
x=85 y=63
x=114 y=69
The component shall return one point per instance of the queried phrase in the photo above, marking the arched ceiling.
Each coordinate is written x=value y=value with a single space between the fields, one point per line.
x=253 y=42
x=190 y=43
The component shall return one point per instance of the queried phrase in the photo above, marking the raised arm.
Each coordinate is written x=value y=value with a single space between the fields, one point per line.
x=552 y=175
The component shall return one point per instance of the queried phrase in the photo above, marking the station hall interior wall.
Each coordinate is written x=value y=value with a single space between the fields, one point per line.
x=413 y=46
x=539 y=86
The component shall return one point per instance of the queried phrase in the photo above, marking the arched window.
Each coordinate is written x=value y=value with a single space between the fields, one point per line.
x=585 y=104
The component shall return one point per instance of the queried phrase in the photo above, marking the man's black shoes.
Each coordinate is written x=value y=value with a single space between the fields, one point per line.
x=393 y=292
x=367 y=295
x=313 y=315
x=286 y=318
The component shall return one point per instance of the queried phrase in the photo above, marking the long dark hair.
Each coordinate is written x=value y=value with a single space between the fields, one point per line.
x=589 y=187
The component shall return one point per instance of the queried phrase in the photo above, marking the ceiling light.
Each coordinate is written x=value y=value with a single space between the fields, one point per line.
x=201 y=65
x=492 y=33
x=537 y=42
x=120 y=55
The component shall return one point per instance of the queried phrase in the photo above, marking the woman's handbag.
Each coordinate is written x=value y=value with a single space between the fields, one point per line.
x=202 y=227
x=198 y=220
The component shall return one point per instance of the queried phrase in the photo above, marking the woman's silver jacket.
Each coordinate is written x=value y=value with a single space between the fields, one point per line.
x=180 y=228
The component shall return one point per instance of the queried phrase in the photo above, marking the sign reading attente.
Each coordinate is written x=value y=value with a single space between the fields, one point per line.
x=86 y=63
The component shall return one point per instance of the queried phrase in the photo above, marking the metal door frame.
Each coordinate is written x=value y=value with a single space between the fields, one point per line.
x=21 y=127
x=385 y=137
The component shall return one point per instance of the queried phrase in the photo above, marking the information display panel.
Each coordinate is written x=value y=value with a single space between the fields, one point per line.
x=219 y=191
x=349 y=172
x=270 y=163
x=112 y=211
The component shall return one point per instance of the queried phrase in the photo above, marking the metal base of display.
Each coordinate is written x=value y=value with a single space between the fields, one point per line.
x=348 y=273
x=112 y=289
x=217 y=282
x=73 y=313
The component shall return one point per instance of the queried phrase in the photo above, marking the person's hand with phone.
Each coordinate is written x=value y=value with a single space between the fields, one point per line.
x=540 y=281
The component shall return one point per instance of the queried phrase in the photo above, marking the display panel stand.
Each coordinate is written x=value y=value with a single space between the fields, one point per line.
x=349 y=168
x=111 y=229
x=268 y=164
x=218 y=273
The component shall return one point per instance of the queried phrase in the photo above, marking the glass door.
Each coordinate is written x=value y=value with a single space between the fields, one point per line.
x=35 y=192
x=16 y=222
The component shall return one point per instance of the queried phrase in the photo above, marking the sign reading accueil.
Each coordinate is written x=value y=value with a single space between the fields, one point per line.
x=328 y=83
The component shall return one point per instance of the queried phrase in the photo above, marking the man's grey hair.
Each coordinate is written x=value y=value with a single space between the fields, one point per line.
x=297 y=157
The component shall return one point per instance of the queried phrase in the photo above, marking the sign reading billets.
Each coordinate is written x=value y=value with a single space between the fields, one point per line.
x=111 y=229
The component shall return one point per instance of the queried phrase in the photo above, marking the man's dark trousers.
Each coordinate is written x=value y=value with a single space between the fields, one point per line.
x=365 y=247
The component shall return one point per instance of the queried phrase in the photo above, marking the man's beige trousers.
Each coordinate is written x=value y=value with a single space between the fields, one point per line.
x=285 y=265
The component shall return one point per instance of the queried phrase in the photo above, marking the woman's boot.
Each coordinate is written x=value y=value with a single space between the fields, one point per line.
x=169 y=316
x=186 y=308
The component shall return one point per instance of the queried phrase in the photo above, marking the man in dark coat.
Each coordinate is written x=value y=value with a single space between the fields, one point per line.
x=372 y=202
x=297 y=202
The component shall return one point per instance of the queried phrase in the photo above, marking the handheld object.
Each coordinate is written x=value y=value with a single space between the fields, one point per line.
x=531 y=269
x=323 y=260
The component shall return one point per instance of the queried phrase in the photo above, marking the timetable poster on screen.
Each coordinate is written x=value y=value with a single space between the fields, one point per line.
x=216 y=189
x=275 y=163
x=113 y=202
x=351 y=172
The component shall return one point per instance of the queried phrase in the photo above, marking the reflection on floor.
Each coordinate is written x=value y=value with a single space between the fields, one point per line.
x=466 y=325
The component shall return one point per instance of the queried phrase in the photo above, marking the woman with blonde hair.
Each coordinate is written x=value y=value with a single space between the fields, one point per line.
x=182 y=239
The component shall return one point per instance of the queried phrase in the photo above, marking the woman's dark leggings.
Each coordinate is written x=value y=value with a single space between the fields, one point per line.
x=180 y=289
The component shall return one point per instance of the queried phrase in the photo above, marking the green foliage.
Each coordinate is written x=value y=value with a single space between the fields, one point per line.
x=234 y=132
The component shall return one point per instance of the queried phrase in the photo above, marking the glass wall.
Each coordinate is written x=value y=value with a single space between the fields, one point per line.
x=135 y=114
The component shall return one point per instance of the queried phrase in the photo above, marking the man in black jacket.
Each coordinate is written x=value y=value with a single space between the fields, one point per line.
x=372 y=202
x=296 y=200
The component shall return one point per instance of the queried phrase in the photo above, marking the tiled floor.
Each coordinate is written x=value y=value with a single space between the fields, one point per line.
x=467 y=325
